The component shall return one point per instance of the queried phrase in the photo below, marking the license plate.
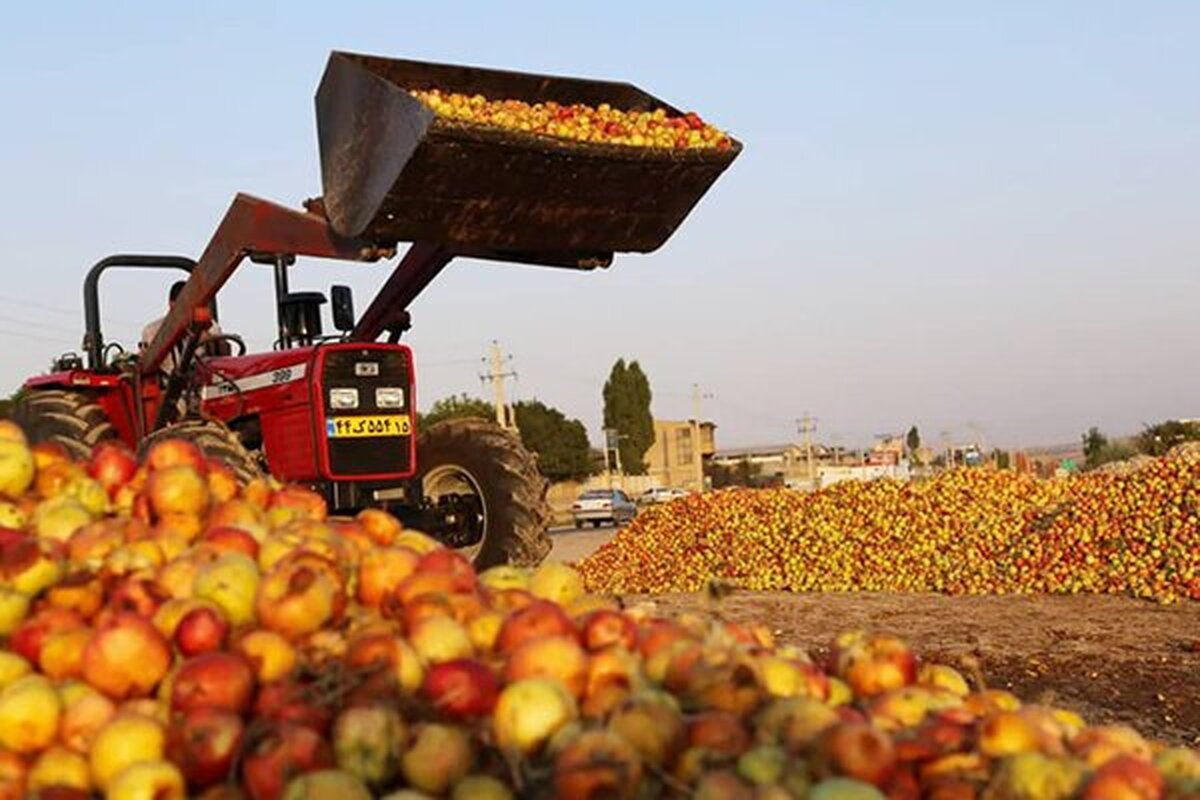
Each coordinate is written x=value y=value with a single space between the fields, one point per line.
x=356 y=427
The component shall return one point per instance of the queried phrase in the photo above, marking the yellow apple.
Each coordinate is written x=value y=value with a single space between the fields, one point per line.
x=16 y=467
x=58 y=766
x=59 y=517
x=14 y=607
x=12 y=667
x=440 y=639
x=555 y=581
x=125 y=740
x=11 y=516
x=232 y=583
x=29 y=714
x=505 y=576
x=530 y=711
x=148 y=780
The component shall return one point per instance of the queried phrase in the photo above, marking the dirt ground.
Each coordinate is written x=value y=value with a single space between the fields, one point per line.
x=1112 y=659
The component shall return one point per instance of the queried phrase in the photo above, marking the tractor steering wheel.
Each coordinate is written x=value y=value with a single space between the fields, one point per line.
x=212 y=344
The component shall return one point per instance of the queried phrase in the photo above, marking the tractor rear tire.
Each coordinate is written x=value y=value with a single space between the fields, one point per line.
x=72 y=419
x=215 y=440
x=512 y=491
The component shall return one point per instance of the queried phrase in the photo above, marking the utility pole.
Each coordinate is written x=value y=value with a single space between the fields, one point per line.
x=697 y=456
x=612 y=445
x=496 y=375
x=806 y=425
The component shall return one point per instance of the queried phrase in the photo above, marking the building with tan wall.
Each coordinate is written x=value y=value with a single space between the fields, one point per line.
x=672 y=459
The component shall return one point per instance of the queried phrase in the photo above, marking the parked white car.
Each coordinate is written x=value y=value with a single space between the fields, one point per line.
x=603 y=505
x=661 y=494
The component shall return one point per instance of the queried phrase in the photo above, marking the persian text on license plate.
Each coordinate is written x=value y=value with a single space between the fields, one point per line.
x=350 y=427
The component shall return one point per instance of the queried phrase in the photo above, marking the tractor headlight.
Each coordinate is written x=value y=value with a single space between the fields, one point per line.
x=389 y=397
x=343 y=398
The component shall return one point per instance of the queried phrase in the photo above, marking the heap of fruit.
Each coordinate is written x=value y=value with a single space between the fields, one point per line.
x=602 y=124
x=171 y=633
x=966 y=531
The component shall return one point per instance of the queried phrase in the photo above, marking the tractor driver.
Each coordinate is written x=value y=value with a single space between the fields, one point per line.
x=151 y=329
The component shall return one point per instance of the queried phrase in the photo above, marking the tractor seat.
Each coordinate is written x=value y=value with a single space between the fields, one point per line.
x=301 y=313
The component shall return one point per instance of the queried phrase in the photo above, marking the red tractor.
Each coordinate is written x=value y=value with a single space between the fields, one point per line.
x=337 y=411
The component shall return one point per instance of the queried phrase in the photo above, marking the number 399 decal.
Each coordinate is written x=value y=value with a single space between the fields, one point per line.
x=221 y=387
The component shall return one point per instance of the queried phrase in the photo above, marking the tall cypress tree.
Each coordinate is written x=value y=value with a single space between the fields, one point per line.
x=627 y=398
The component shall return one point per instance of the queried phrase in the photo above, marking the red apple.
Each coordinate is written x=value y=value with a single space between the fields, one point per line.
x=658 y=635
x=558 y=657
x=858 y=751
x=381 y=526
x=204 y=743
x=28 y=638
x=292 y=702
x=510 y=599
x=450 y=561
x=1125 y=778
x=295 y=599
x=462 y=688
x=217 y=680
x=607 y=627
x=719 y=732
x=284 y=751
x=296 y=502
x=180 y=489
x=175 y=452
x=126 y=657
x=113 y=465
x=425 y=607
x=381 y=571
x=200 y=630
x=230 y=539
x=423 y=583
x=540 y=618
x=597 y=764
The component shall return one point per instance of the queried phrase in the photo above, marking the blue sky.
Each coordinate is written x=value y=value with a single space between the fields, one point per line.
x=971 y=216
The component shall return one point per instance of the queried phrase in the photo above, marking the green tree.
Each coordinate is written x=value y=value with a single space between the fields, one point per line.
x=6 y=403
x=561 y=444
x=1098 y=450
x=743 y=473
x=1094 y=443
x=455 y=407
x=627 y=409
x=1156 y=440
x=913 y=439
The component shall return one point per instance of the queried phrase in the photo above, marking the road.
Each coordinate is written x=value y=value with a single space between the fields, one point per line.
x=572 y=545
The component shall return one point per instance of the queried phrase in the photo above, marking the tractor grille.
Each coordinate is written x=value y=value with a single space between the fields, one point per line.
x=351 y=369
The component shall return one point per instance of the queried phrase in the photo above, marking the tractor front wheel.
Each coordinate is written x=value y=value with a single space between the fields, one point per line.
x=71 y=419
x=215 y=440
x=488 y=486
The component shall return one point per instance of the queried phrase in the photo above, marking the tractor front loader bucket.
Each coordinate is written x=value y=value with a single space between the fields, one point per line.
x=392 y=171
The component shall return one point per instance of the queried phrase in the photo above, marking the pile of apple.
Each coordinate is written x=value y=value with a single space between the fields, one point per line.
x=976 y=531
x=601 y=124
x=169 y=633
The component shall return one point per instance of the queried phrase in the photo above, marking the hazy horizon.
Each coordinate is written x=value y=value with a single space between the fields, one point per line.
x=969 y=218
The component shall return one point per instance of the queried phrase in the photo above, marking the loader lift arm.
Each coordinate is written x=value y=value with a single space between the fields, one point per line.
x=251 y=225
x=262 y=228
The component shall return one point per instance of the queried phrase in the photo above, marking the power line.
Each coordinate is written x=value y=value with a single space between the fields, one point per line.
x=60 y=310
x=37 y=337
